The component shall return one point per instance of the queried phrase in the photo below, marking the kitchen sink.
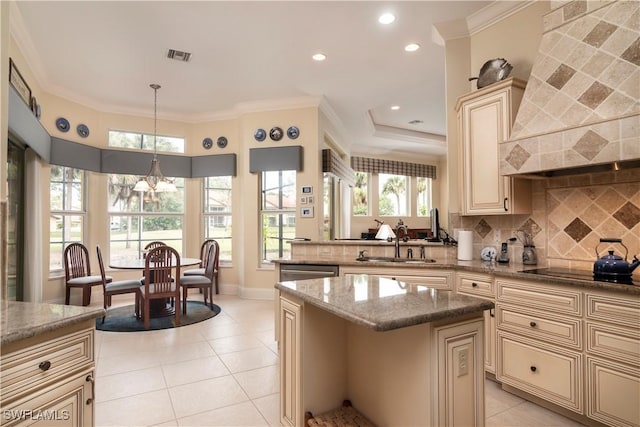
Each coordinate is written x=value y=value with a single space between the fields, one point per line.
x=399 y=260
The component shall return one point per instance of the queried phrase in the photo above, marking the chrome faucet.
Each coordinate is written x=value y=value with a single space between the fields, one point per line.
x=405 y=231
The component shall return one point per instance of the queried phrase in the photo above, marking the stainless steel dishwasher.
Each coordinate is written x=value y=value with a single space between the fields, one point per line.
x=306 y=271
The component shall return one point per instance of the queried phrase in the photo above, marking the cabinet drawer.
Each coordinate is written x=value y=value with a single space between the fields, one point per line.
x=617 y=343
x=475 y=285
x=613 y=393
x=555 y=329
x=544 y=297
x=67 y=403
x=615 y=309
x=33 y=366
x=549 y=372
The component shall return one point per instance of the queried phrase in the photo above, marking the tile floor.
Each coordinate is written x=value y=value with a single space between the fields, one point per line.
x=223 y=372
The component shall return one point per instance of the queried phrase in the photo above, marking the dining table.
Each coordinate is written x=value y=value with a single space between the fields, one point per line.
x=157 y=307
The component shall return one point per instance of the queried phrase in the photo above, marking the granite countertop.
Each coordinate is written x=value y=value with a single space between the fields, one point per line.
x=510 y=270
x=382 y=304
x=21 y=320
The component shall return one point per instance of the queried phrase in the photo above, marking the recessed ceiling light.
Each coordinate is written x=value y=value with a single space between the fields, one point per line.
x=412 y=47
x=386 y=18
x=319 y=57
x=395 y=107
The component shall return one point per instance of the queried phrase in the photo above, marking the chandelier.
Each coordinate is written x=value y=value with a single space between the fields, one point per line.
x=155 y=181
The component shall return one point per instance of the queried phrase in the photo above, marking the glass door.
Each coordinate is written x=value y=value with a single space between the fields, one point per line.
x=15 y=221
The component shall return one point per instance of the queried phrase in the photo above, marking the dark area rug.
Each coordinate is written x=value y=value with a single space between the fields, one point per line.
x=123 y=319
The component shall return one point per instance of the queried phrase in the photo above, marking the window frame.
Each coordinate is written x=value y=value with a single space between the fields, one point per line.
x=207 y=215
x=67 y=212
x=280 y=212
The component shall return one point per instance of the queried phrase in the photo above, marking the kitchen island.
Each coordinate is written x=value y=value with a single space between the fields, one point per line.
x=48 y=364
x=403 y=353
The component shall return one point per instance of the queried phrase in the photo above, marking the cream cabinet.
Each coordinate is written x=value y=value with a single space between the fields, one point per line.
x=49 y=379
x=437 y=279
x=290 y=361
x=613 y=358
x=485 y=118
x=539 y=342
x=482 y=286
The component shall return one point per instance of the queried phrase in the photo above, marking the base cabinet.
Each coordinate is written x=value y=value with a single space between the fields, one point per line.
x=613 y=393
x=68 y=403
x=49 y=380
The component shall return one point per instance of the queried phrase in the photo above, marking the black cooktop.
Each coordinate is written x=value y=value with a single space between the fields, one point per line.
x=567 y=273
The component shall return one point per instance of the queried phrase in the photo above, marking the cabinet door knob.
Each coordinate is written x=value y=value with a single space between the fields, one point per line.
x=474 y=285
x=532 y=324
x=44 y=365
x=533 y=369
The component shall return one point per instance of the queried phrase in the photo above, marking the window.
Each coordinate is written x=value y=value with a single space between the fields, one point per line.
x=277 y=213
x=142 y=141
x=137 y=218
x=361 y=194
x=67 y=212
x=393 y=194
x=423 y=202
x=217 y=213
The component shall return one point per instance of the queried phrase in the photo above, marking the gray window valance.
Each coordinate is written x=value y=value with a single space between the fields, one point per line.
x=366 y=164
x=275 y=159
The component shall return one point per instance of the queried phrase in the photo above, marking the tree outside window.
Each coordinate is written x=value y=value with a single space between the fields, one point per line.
x=393 y=194
x=67 y=212
x=361 y=194
x=277 y=213
x=137 y=218
x=143 y=141
x=424 y=196
x=217 y=213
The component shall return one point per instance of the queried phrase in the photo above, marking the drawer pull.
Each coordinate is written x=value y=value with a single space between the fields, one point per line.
x=533 y=369
x=492 y=312
x=93 y=388
x=474 y=285
x=44 y=365
x=533 y=324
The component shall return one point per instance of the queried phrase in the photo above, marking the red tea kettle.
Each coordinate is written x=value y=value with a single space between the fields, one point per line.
x=613 y=267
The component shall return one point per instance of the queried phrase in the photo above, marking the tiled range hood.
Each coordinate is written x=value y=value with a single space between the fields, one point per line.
x=580 y=109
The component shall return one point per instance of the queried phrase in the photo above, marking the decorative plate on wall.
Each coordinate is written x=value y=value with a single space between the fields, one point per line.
x=83 y=130
x=207 y=143
x=293 y=132
x=276 y=133
x=63 y=124
x=260 y=135
x=222 y=142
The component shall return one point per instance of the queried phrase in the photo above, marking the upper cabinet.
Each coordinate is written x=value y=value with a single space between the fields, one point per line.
x=485 y=117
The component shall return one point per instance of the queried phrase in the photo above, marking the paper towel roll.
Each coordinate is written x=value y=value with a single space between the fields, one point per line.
x=465 y=245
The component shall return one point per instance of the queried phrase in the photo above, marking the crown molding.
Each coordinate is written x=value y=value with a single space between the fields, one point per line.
x=478 y=21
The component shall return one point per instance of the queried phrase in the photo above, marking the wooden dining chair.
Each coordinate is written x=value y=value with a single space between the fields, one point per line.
x=160 y=283
x=204 y=250
x=77 y=271
x=152 y=245
x=204 y=282
x=118 y=287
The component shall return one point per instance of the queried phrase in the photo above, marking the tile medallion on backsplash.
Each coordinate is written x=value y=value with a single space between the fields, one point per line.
x=483 y=228
x=590 y=144
x=600 y=33
x=594 y=95
x=518 y=156
x=628 y=215
x=577 y=229
x=531 y=227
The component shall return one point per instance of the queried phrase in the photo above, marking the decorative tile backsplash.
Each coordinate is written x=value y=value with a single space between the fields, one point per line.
x=570 y=216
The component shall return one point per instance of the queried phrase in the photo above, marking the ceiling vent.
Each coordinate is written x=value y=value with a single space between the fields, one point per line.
x=415 y=122
x=178 y=55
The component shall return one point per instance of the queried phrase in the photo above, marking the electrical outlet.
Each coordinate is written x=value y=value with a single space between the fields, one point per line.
x=463 y=362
